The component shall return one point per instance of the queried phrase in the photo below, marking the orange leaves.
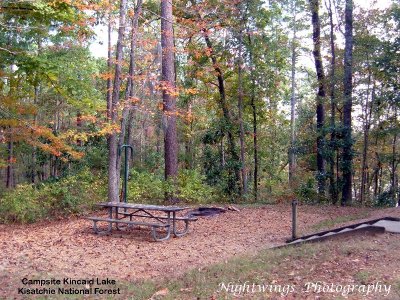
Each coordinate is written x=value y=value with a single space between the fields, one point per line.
x=48 y=149
x=88 y=118
x=175 y=91
x=106 y=75
x=208 y=52
x=187 y=116
x=167 y=88
x=191 y=91
x=133 y=100
x=8 y=123
x=109 y=129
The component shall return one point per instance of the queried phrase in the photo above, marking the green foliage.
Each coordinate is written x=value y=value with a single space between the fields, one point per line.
x=71 y=195
x=307 y=191
x=96 y=158
x=386 y=199
x=144 y=186
x=190 y=187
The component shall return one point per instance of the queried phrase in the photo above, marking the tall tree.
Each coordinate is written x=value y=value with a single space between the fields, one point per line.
x=292 y=155
x=347 y=155
x=169 y=90
x=332 y=153
x=113 y=175
x=240 y=108
x=254 y=118
x=321 y=94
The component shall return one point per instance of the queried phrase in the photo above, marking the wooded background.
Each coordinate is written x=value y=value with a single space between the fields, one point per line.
x=221 y=100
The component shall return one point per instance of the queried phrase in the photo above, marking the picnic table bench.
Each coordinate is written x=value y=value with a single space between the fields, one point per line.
x=130 y=214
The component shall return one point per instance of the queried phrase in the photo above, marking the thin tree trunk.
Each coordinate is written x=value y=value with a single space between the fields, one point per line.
x=292 y=153
x=226 y=113
x=394 y=161
x=254 y=113
x=10 y=169
x=367 y=125
x=240 y=108
x=79 y=127
x=188 y=140
x=169 y=101
x=109 y=63
x=127 y=113
x=320 y=95
x=222 y=150
x=347 y=156
x=333 y=186
x=113 y=175
x=35 y=119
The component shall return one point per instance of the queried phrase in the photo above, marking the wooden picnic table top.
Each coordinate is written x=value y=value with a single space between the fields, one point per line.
x=142 y=206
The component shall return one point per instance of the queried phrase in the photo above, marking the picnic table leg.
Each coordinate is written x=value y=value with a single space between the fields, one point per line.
x=167 y=236
x=116 y=217
x=96 y=229
x=175 y=231
x=110 y=217
x=156 y=237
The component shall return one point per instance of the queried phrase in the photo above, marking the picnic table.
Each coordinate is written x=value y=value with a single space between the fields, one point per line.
x=157 y=217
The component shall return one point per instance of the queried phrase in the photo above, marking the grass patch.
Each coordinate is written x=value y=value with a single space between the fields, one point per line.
x=363 y=276
x=207 y=282
x=326 y=224
x=338 y=262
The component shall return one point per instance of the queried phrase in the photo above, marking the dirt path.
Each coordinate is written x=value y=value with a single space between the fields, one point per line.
x=69 y=248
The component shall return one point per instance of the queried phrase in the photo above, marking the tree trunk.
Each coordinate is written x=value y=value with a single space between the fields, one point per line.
x=320 y=95
x=254 y=113
x=35 y=119
x=367 y=125
x=113 y=175
x=169 y=89
x=226 y=113
x=394 y=161
x=10 y=169
x=109 y=62
x=127 y=113
x=347 y=155
x=240 y=108
x=189 y=140
x=292 y=154
x=79 y=127
x=333 y=148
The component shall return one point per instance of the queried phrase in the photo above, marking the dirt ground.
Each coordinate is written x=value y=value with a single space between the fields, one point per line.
x=70 y=248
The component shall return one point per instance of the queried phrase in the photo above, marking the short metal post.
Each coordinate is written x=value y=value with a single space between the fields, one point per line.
x=294 y=219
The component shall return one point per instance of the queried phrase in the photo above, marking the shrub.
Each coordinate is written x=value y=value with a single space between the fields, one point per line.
x=78 y=194
x=190 y=187
x=70 y=195
x=307 y=191
x=387 y=198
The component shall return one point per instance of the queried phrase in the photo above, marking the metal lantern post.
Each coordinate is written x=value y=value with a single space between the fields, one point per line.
x=126 y=171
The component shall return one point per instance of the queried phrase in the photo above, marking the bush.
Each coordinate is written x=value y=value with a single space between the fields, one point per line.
x=190 y=187
x=79 y=193
x=144 y=185
x=307 y=191
x=70 y=195
x=387 y=198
